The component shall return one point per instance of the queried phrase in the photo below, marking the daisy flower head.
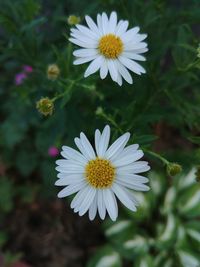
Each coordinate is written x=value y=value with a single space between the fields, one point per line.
x=100 y=176
x=110 y=47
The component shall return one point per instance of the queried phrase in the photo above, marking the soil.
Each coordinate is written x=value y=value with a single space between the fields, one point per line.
x=49 y=234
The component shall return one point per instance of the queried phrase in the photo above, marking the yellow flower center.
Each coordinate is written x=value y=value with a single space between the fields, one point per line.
x=100 y=173
x=110 y=46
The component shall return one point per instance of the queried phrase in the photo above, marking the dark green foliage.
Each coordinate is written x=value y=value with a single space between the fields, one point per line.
x=161 y=109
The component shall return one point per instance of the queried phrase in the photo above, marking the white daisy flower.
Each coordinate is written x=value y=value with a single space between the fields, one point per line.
x=99 y=176
x=110 y=46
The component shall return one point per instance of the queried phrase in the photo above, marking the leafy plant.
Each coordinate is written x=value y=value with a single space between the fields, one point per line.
x=163 y=232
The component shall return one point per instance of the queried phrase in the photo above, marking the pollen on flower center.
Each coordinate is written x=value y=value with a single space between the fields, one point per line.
x=100 y=173
x=110 y=46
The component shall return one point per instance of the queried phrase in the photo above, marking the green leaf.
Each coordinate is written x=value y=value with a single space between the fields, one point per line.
x=193 y=231
x=194 y=139
x=138 y=245
x=26 y=161
x=168 y=235
x=105 y=257
x=6 y=194
x=188 y=203
x=118 y=228
x=34 y=23
x=3 y=238
x=145 y=261
x=185 y=181
x=188 y=258
x=169 y=201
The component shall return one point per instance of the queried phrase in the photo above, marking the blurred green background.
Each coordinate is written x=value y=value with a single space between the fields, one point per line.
x=161 y=110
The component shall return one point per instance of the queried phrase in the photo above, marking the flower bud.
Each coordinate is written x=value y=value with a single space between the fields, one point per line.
x=45 y=106
x=174 y=169
x=53 y=72
x=73 y=20
x=99 y=111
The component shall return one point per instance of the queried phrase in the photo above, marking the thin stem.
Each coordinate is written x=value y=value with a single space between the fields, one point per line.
x=165 y=161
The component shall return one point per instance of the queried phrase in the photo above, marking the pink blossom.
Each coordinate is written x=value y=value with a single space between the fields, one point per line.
x=19 y=78
x=28 y=68
x=53 y=151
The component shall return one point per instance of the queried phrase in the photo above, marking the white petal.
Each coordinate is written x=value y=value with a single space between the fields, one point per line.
x=104 y=19
x=121 y=27
x=87 y=32
x=101 y=204
x=124 y=73
x=70 y=169
x=79 y=197
x=119 y=79
x=87 y=146
x=69 y=179
x=82 y=37
x=139 y=51
x=93 y=209
x=71 y=189
x=122 y=195
x=132 y=178
x=132 y=185
x=103 y=144
x=134 y=46
x=84 y=44
x=89 y=197
x=85 y=52
x=70 y=153
x=117 y=146
x=127 y=36
x=83 y=60
x=104 y=69
x=68 y=163
x=136 y=167
x=97 y=140
x=112 y=67
x=81 y=148
x=92 y=24
x=132 y=65
x=94 y=66
x=113 y=22
x=134 y=56
x=99 y=24
x=127 y=157
x=111 y=204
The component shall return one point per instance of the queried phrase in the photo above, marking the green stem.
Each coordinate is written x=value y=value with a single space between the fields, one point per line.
x=154 y=154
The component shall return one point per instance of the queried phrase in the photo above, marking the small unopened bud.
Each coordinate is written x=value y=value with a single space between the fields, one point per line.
x=45 y=106
x=99 y=111
x=73 y=20
x=197 y=174
x=174 y=169
x=53 y=72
